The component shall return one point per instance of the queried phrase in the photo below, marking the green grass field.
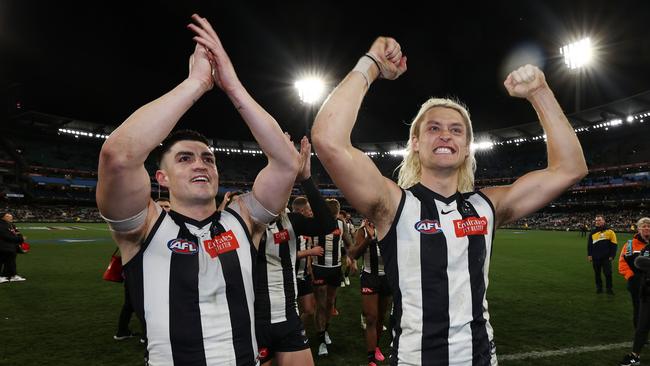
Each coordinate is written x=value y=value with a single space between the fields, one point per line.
x=541 y=298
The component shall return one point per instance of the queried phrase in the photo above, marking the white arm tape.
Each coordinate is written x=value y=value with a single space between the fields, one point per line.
x=126 y=225
x=256 y=211
x=363 y=66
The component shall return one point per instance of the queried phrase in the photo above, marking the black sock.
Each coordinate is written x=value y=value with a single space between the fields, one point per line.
x=371 y=356
x=322 y=336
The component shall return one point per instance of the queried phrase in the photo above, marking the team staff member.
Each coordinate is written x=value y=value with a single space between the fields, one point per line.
x=601 y=249
x=627 y=268
x=280 y=333
x=641 y=271
x=435 y=231
x=190 y=271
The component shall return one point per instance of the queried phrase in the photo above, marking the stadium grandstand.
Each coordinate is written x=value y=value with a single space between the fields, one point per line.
x=48 y=169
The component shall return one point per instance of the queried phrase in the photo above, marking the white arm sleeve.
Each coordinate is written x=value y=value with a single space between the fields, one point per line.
x=129 y=224
x=255 y=209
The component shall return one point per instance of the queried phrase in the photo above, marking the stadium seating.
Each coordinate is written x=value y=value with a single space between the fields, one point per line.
x=61 y=170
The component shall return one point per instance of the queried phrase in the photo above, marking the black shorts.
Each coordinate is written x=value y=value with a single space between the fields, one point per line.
x=287 y=336
x=327 y=276
x=305 y=287
x=374 y=284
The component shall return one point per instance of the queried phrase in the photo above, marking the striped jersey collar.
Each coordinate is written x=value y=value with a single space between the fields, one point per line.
x=178 y=218
x=429 y=193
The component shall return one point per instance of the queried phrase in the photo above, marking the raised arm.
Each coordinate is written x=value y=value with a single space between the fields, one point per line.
x=566 y=163
x=123 y=186
x=323 y=222
x=352 y=171
x=273 y=184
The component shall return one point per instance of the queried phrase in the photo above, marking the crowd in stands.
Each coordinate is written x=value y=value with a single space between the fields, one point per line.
x=618 y=220
x=58 y=213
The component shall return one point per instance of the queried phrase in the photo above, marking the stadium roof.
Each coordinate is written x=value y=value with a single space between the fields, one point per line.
x=637 y=107
x=99 y=61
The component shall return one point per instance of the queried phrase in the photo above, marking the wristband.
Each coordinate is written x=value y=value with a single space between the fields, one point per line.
x=363 y=66
x=374 y=59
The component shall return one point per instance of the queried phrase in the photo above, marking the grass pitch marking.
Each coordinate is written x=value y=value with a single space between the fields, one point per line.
x=560 y=352
x=563 y=351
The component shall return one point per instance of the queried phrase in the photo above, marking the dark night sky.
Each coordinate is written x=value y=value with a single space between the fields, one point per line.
x=99 y=61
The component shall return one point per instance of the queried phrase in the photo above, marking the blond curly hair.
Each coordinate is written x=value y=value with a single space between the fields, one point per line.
x=410 y=169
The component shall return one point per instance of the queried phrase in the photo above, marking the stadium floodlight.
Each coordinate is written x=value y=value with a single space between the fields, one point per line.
x=630 y=118
x=483 y=145
x=310 y=90
x=401 y=152
x=577 y=54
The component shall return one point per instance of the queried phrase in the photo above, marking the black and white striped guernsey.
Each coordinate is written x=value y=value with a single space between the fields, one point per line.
x=304 y=243
x=331 y=244
x=372 y=261
x=437 y=257
x=192 y=285
x=276 y=286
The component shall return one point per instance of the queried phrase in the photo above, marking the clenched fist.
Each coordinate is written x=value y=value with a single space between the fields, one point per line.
x=525 y=81
x=388 y=53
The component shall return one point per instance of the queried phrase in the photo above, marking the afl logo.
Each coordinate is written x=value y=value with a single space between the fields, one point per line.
x=182 y=246
x=428 y=226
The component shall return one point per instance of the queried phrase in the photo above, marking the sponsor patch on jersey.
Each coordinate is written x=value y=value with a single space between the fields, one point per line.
x=471 y=226
x=281 y=237
x=182 y=246
x=220 y=244
x=367 y=290
x=428 y=226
